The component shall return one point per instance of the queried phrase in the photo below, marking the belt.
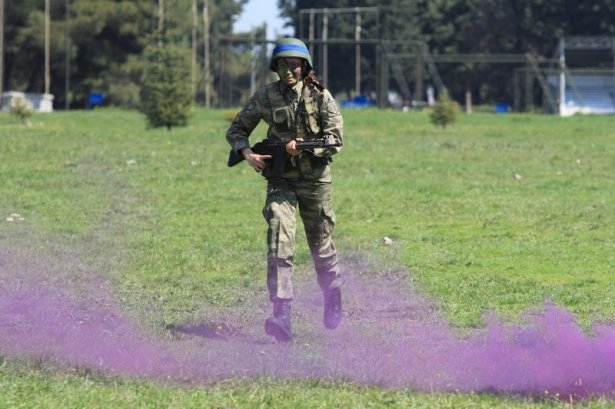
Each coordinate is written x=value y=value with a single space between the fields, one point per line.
x=300 y=162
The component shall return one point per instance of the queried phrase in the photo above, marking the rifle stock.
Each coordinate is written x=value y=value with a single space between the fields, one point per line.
x=277 y=150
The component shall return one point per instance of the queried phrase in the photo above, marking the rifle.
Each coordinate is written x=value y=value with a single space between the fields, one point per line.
x=277 y=150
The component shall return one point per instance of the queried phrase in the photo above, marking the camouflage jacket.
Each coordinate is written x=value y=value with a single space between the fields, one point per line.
x=299 y=112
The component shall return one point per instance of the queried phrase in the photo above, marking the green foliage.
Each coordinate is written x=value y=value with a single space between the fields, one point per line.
x=446 y=110
x=104 y=37
x=457 y=27
x=21 y=108
x=166 y=96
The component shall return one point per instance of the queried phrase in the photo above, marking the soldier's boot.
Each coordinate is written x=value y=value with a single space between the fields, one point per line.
x=333 y=307
x=278 y=326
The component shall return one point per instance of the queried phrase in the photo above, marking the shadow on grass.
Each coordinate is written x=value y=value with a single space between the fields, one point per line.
x=209 y=330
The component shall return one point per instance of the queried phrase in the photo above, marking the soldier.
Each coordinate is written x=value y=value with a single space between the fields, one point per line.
x=296 y=108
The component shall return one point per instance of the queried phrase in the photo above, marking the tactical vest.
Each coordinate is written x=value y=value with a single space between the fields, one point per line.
x=286 y=122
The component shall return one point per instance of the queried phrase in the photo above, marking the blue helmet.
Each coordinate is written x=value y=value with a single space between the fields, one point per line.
x=290 y=47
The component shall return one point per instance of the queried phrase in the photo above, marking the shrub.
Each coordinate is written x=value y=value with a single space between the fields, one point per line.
x=22 y=108
x=445 y=111
x=166 y=95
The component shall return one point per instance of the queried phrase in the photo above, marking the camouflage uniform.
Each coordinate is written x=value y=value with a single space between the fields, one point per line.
x=305 y=112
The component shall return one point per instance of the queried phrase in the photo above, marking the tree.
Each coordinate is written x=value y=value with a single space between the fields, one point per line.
x=457 y=27
x=105 y=47
x=22 y=109
x=445 y=111
x=107 y=38
x=166 y=95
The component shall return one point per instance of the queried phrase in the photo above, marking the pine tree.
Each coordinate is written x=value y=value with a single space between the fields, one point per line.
x=166 y=94
x=445 y=111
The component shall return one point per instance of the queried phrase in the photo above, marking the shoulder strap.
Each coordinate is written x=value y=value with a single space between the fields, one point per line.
x=311 y=99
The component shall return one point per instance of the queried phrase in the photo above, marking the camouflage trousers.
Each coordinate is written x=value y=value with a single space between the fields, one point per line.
x=313 y=198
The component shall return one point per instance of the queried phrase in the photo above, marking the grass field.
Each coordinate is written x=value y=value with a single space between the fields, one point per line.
x=494 y=214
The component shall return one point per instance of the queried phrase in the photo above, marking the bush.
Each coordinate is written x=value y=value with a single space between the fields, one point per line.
x=22 y=108
x=445 y=111
x=166 y=95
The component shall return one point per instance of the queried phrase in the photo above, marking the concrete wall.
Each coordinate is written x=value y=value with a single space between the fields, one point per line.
x=40 y=102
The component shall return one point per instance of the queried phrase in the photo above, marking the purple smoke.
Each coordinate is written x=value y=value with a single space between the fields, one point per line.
x=391 y=336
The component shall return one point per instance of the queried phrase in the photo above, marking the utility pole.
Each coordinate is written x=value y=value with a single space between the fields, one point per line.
x=357 y=39
x=206 y=52
x=325 y=46
x=1 y=50
x=47 y=65
x=67 y=57
x=160 y=21
x=194 y=41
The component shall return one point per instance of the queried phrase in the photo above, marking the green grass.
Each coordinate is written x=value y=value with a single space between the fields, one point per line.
x=494 y=213
x=23 y=388
x=497 y=212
